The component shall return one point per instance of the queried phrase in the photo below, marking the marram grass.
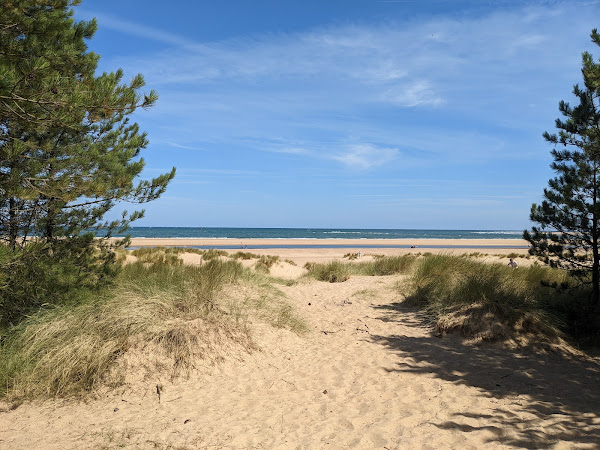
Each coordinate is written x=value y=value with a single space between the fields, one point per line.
x=337 y=271
x=490 y=302
x=180 y=311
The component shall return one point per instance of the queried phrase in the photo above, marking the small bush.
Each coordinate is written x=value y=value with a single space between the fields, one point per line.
x=351 y=256
x=41 y=275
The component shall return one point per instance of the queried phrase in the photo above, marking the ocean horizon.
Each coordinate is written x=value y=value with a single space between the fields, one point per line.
x=315 y=233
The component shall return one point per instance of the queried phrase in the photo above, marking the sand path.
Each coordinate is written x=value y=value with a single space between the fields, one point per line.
x=368 y=375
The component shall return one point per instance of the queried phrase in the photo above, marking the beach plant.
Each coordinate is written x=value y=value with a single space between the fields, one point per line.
x=491 y=301
x=245 y=255
x=158 y=255
x=567 y=234
x=212 y=253
x=337 y=271
x=172 y=315
x=387 y=265
x=265 y=262
x=332 y=272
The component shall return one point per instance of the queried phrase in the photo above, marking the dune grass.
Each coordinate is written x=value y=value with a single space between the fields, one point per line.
x=180 y=312
x=492 y=302
x=265 y=262
x=337 y=271
x=245 y=255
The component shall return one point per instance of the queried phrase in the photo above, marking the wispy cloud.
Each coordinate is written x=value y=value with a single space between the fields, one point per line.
x=365 y=156
x=183 y=147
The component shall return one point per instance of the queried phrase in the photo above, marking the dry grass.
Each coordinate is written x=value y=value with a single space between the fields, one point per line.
x=183 y=313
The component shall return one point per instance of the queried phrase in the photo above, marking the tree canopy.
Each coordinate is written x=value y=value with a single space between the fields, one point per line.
x=569 y=216
x=68 y=150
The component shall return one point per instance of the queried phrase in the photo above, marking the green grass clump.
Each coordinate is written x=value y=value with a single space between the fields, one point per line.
x=388 y=265
x=212 y=253
x=265 y=262
x=351 y=256
x=333 y=272
x=337 y=271
x=177 y=313
x=487 y=301
x=158 y=255
x=245 y=255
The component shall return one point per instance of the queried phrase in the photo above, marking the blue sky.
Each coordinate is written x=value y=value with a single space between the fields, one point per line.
x=352 y=114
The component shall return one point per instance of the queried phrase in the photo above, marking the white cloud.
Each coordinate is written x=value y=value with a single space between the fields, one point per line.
x=183 y=147
x=447 y=91
x=416 y=94
x=365 y=156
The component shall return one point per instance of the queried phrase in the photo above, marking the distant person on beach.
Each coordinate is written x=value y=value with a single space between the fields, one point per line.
x=512 y=263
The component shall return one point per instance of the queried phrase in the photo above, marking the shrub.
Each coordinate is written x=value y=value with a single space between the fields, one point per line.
x=40 y=275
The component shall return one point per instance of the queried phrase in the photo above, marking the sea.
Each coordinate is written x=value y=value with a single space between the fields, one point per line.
x=317 y=233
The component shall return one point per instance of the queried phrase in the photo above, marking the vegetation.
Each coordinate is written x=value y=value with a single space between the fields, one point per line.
x=176 y=312
x=333 y=272
x=68 y=154
x=244 y=255
x=337 y=272
x=569 y=217
x=497 y=303
x=265 y=262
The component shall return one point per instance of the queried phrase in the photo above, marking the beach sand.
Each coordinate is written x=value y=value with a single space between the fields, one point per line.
x=369 y=374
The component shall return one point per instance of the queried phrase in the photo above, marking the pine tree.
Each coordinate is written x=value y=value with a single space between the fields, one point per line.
x=68 y=152
x=569 y=216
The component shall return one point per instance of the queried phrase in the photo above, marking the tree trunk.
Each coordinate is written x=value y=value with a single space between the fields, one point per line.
x=13 y=232
x=595 y=276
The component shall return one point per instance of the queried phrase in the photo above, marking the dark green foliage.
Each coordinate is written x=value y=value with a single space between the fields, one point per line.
x=36 y=275
x=68 y=153
x=568 y=217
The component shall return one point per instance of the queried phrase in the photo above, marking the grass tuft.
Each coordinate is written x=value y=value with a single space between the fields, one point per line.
x=245 y=255
x=333 y=272
x=489 y=302
x=265 y=262
x=180 y=313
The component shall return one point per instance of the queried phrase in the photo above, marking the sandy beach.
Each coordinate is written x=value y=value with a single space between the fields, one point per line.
x=338 y=243
x=369 y=374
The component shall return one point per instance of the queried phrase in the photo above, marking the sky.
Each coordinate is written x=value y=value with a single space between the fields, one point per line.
x=347 y=113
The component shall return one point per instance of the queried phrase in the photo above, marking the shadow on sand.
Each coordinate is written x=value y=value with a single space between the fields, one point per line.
x=554 y=397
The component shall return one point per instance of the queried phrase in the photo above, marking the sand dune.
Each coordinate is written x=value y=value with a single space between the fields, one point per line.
x=369 y=374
